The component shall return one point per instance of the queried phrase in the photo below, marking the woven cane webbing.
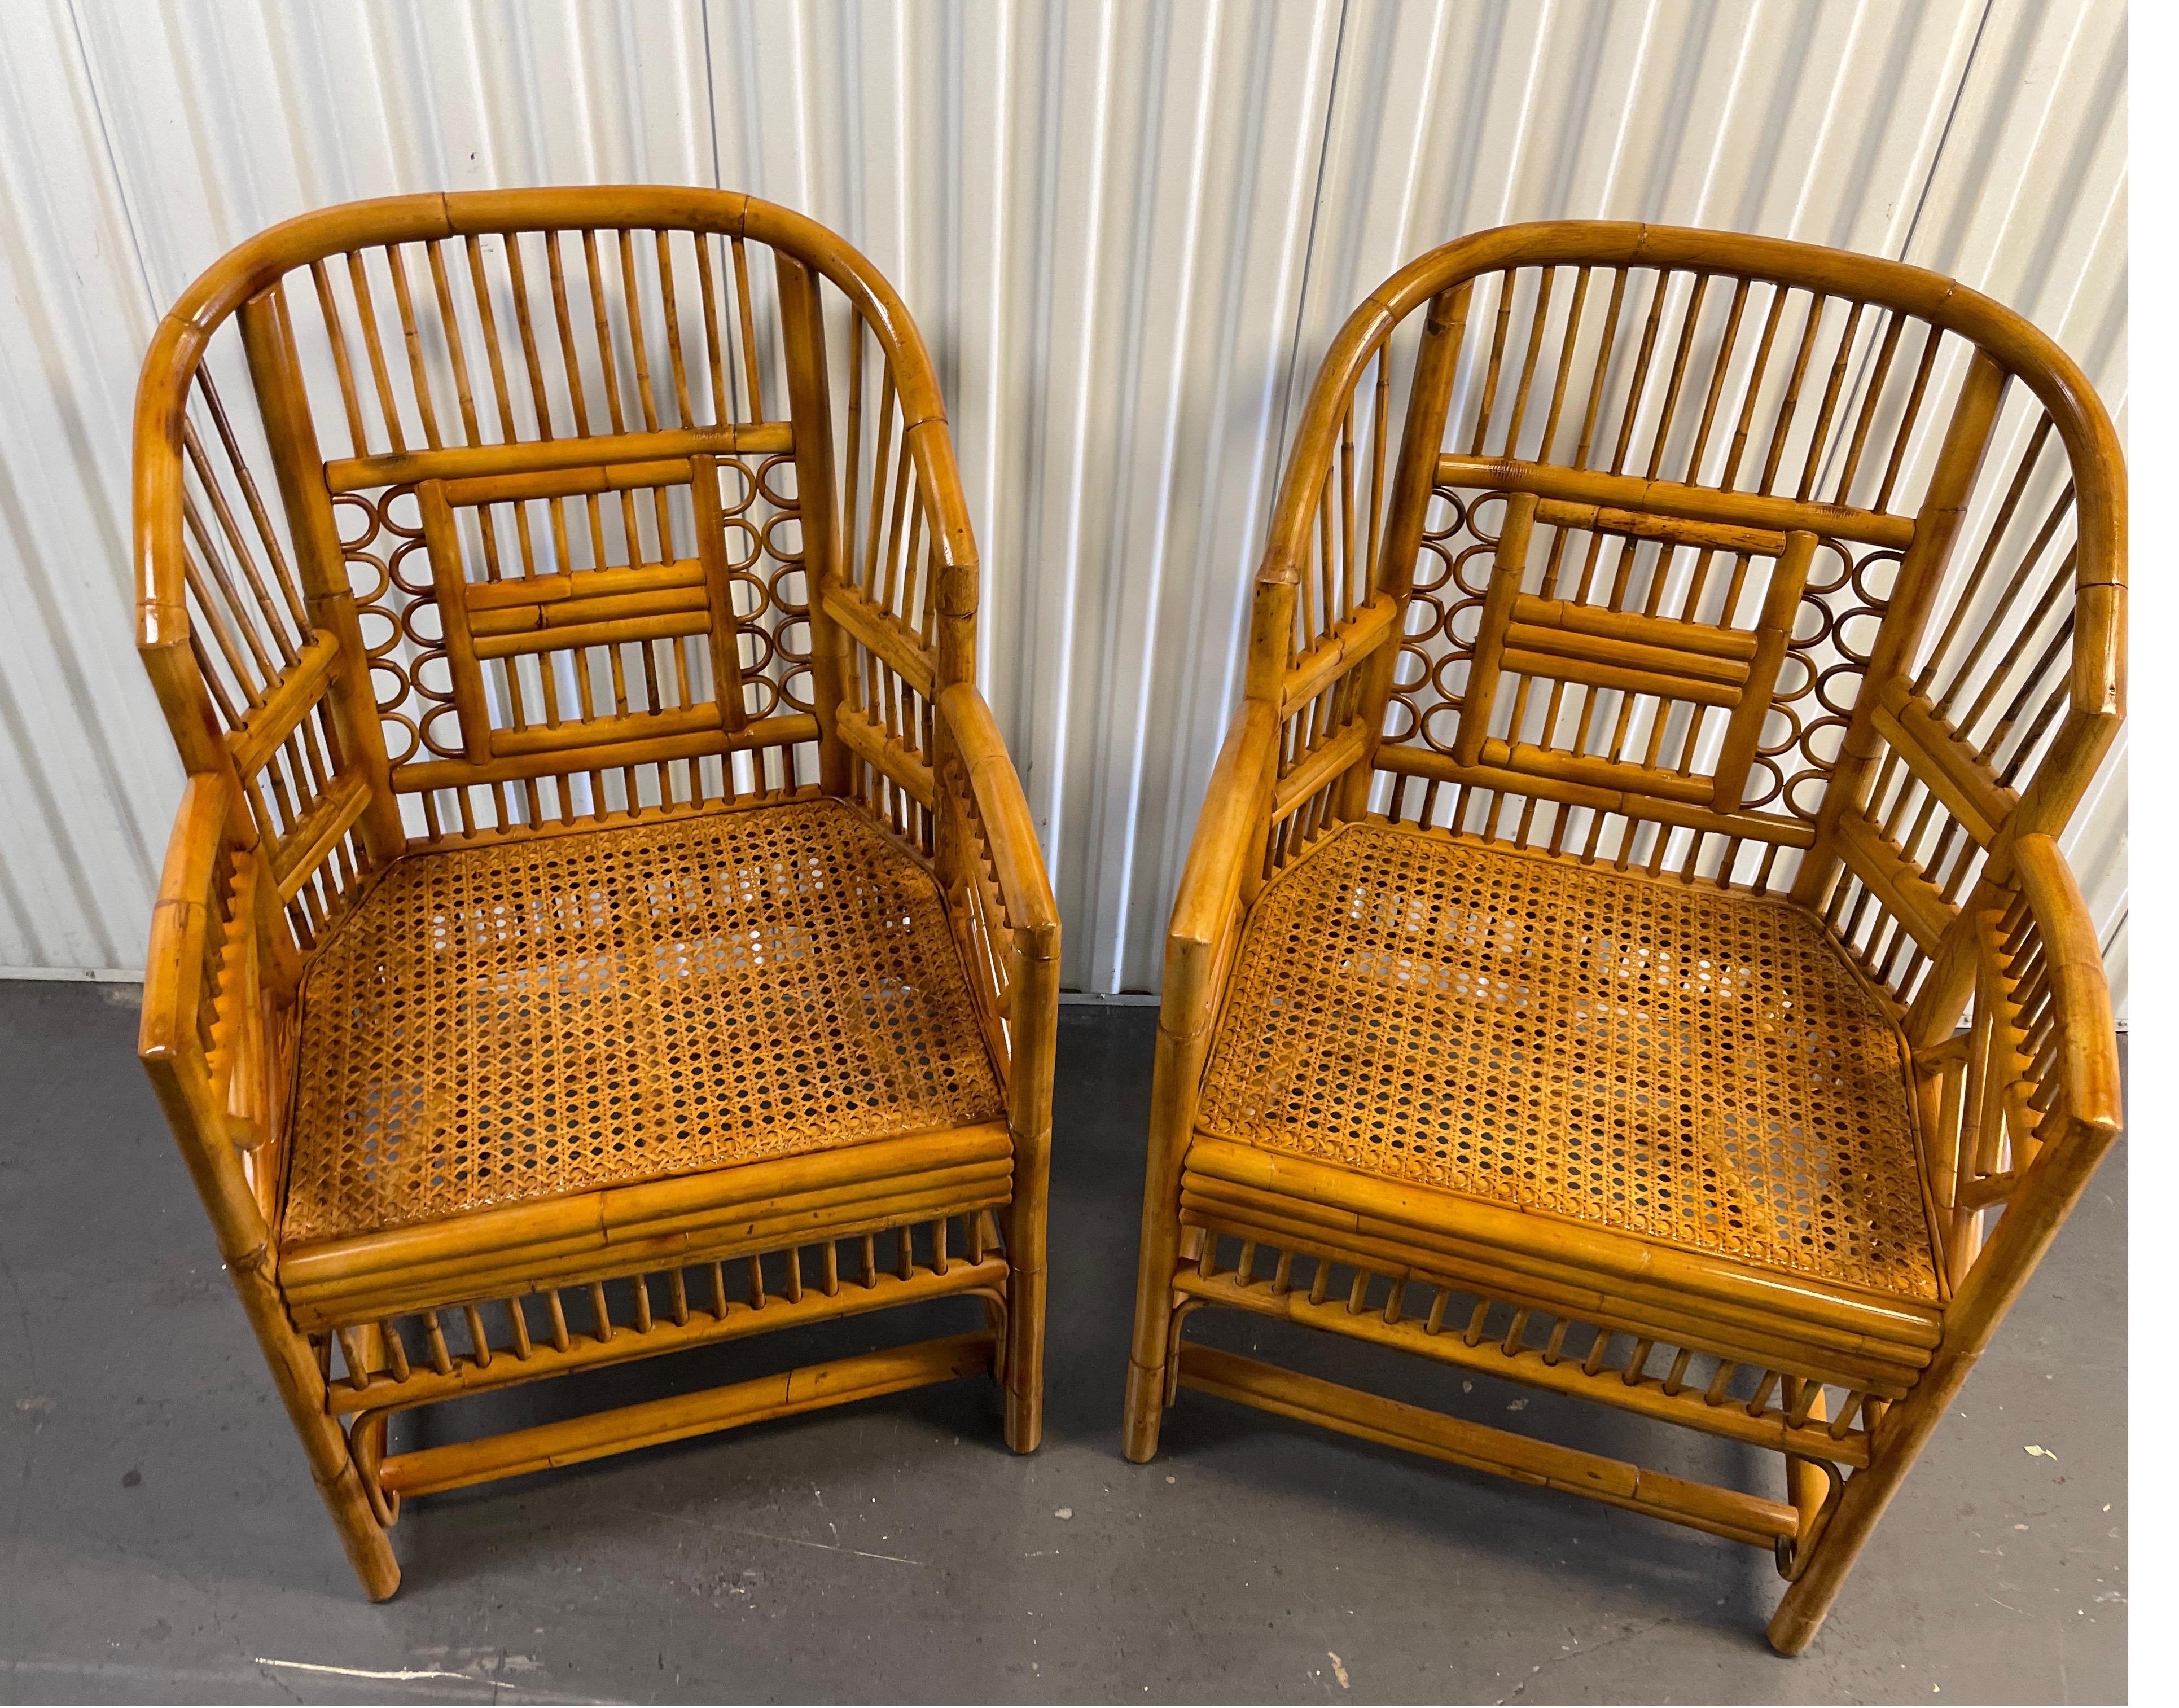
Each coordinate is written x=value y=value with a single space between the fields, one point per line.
x=555 y=1015
x=1689 y=1065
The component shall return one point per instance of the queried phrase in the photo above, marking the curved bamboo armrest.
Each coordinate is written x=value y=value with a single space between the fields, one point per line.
x=1228 y=831
x=1009 y=831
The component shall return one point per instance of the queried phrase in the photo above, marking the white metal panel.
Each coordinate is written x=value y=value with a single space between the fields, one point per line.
x=137 y=144
x=1099 y=215
x=2028 y=204
x=88 y=780
x=1127 y=230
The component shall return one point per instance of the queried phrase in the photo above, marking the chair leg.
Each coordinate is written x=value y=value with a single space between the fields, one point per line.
x=1036 y=1038
x=1025 y=1373
x=1146 y=1358
x=1808 y=1598
x=302 y=1388
x=1025 y=1289
x=1898 y=1442
x=1179 y=1068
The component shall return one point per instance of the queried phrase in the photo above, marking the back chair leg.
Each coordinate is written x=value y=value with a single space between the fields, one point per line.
x=1035 y=986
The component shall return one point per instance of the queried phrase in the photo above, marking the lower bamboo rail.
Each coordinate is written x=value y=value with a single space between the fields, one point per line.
x=382 y=1389
x=1645 y=1395
x=1728 y=1512
x=809 y=1388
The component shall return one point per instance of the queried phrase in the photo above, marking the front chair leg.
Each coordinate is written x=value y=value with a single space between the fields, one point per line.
x=1024 y=1374
x=1024 y=1359
x=333 y=1469
x=1897 y=1442
x=1146 y=1401
x=1179 y=1068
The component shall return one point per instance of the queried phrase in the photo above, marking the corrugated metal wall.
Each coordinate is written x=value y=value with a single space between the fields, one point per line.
x=1126 y=229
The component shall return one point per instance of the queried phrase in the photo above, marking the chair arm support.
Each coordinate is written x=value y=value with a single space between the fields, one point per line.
x=1032 y=914
x=2087 y=1053
x=1228 y=828
x=173 y=961
x=171 y=1039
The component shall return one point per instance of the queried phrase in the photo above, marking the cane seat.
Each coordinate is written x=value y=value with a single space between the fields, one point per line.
x=1659 y=1058
x=563 y=1014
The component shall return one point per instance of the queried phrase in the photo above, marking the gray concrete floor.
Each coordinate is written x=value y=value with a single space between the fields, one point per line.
x=159 y=1540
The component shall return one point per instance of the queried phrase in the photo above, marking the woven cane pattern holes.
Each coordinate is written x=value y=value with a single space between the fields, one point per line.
x=1694 y=1066
x=570 y=1012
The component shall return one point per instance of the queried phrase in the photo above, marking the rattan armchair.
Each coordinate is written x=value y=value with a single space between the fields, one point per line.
x=1624 y=948
x=602 y=919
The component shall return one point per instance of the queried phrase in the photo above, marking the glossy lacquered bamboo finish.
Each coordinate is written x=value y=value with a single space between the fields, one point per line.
x=640 y=591
x=1623 y=578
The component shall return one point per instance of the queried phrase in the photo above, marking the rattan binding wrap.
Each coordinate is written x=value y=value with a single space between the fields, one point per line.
x=1694 y=1065
x=559 y=1013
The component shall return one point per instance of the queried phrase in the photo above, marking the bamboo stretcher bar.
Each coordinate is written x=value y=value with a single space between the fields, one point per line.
x=1918 y=904
x=1741 y=1517
x=884 y=634
x=1745 y=1336
x=1668 y=498
x=1763 y=827
x=602 y=733
x=299 y=689
x=953 y=1193
x=531 y=456
x=1321 y=765
x=496 y=606
x=299 y=852
x=1951 y=768
x=1347 y=645
x=704 y=738
x=869 y=739
x=810 y=1388
x=569 y=483
x=714 y=1204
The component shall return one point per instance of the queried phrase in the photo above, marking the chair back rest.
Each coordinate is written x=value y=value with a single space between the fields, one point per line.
x=464 y=514
x=1740 y=558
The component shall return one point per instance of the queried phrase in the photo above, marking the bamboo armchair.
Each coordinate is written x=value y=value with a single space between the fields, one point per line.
x=1624 y=948
x=602 y=919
